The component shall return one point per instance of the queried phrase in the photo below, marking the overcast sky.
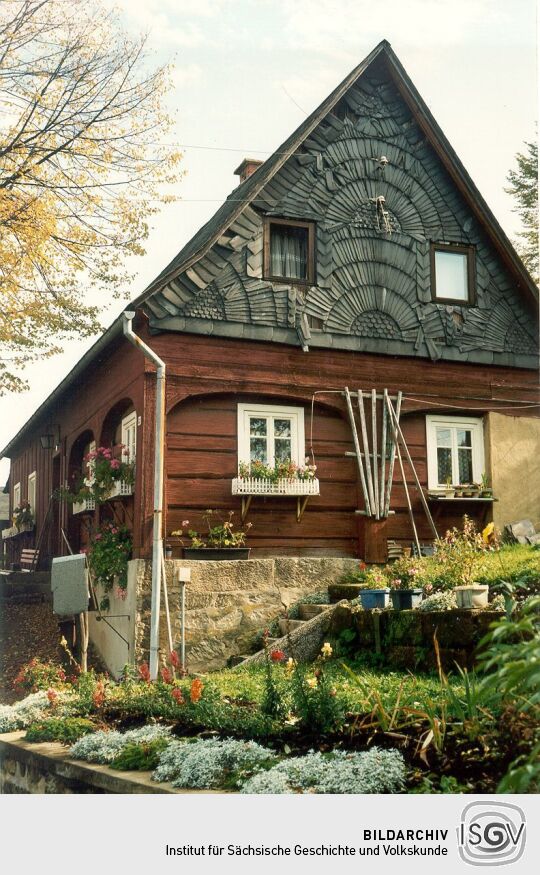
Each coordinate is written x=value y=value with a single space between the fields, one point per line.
x=249 y=71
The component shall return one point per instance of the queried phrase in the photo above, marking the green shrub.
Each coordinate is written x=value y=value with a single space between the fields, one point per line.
x=67 y=730
x=140 y=757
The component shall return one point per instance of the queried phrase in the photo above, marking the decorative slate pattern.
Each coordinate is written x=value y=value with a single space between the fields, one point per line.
x=379 y=194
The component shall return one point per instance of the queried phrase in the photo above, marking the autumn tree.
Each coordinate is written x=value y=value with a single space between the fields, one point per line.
x=82 y=116
x=524 y=188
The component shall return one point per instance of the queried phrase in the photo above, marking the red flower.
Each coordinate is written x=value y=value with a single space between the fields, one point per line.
x=98 y=696
x=277 y=655
x=166 y=676
x=52 y=696
x=144 y=672
x=174 y=659
x=176 y=693
x=362 y=566
x=196 y=690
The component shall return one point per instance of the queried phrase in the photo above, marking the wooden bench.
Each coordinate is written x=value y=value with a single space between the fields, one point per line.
x=29 y=560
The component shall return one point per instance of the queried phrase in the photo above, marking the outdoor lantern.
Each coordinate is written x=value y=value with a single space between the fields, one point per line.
x=50 y=440
x=46 y=441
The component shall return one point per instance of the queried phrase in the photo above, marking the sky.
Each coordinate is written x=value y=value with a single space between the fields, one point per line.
x=248 y=72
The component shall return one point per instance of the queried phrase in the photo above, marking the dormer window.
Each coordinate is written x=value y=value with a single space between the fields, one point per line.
x=452 y=273
x=289 y=250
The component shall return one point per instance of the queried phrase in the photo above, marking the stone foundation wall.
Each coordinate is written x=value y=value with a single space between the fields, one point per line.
x=227 y=602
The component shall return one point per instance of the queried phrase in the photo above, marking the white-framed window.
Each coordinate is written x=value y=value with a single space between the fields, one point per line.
x=455 y=450
x=270 y=434
x=129 y=437
x=32 y=482
x=16 y=495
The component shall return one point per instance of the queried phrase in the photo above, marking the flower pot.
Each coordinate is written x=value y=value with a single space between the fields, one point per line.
x=406 y=599
x=486 y=493
x=475 y=596
x=216 y=554
x=374 y=598
x=449 y=493
x=168 y=552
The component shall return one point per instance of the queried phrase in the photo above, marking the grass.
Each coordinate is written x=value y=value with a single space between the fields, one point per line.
x=247 y=684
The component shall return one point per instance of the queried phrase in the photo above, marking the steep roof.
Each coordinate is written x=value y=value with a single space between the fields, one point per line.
x=247 y=191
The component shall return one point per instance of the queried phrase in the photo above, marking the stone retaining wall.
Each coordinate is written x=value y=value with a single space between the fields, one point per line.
x=404 y=639
x=45 y=768
x=227 y=602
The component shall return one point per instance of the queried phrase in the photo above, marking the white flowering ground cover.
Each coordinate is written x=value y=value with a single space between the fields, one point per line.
x=370 y=771
x=207 y=763
x=103 y=747
x=31 y=709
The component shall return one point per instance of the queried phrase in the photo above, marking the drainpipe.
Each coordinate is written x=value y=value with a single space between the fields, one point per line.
x=157 y=544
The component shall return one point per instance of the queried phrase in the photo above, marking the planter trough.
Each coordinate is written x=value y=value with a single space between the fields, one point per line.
x=406 y=599
x=216 y=554
x=374 y=598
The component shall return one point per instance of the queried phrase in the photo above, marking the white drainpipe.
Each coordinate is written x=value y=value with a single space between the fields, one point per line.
x=157 y=545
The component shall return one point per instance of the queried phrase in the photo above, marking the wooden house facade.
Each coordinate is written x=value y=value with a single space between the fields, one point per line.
x=359 y=255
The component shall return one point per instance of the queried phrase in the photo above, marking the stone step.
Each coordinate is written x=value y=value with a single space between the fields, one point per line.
x=287 y=626
x=308 y=611
x=238 y=659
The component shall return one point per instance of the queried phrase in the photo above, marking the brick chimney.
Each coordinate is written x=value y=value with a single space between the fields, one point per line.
x=247 y=167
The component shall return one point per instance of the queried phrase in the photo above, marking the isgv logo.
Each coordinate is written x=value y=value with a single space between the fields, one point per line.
x=491 y=833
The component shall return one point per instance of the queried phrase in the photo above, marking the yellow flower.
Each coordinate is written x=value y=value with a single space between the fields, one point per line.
x=289 y=666
x=312 y=683
x=487 y=533
x=326 y=649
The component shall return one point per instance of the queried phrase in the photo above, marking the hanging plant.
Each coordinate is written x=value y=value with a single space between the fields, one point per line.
x=108 y=556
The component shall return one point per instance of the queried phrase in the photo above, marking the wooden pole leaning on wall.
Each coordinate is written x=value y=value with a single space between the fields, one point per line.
x=392 y=459
x=398 y=436
x=374 y=509
x=358 y=452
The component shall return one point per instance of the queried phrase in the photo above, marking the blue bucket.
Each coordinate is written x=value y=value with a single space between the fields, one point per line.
x=374 y=598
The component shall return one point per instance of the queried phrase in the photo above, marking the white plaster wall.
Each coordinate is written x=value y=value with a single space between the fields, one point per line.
x=513 y=448
x=114 y=652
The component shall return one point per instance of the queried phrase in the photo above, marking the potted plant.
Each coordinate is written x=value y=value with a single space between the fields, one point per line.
x=405 y=590
x=458 y=491
x=462 y=553
x=220 y=542
x=374 y=592
x=485 y=489
x=449 y=489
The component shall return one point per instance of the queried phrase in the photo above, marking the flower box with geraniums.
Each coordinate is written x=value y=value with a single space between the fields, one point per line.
x=374 y=592
x=283 y=478
x=404 y=590
x=110 y=475
x=221 y=541
x=23 y=518
x=108 y=556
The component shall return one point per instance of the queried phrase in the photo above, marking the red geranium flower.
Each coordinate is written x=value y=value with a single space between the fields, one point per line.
x=144 y=672
x=277 y=656
x=176 y=693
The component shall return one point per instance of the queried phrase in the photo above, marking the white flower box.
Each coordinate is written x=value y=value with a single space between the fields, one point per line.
x=265 y=486
x=84 y=506
x=121 y=489
x=9 y=533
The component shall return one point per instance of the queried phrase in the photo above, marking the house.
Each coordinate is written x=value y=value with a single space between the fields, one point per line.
x=359 y=255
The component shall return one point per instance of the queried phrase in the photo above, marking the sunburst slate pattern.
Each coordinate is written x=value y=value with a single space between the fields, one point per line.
x=373 y=288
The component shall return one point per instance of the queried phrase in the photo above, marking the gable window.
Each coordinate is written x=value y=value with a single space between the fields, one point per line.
x=270 y=434
x=32 y=478
x=455 y=450
x=289 y=250
x=452 y=273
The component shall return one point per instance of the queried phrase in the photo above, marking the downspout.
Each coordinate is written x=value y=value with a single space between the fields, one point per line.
x=157 y=543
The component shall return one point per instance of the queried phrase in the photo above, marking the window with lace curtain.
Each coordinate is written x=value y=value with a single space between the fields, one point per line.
x=289 y=250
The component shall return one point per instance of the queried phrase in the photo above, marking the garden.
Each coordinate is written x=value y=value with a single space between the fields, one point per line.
x=345 y=722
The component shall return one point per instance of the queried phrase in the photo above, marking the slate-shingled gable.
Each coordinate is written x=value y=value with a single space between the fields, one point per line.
x=373 y=291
